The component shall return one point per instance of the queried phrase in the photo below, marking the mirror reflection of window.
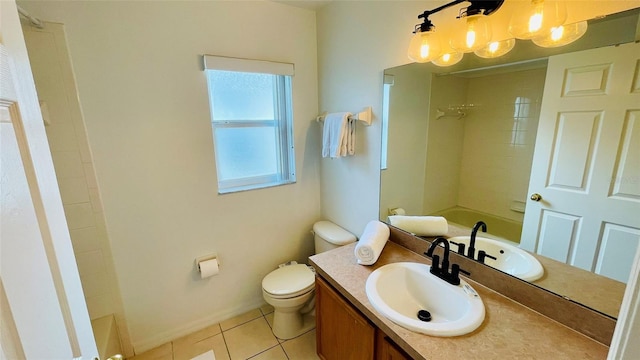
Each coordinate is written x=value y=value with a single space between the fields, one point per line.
x=521 y=114
x=386 y=92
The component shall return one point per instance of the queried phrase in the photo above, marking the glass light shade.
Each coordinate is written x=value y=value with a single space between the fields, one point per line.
x=424 y=47
x=473 y=35
x=537 y=18
x=496 y=48
x=448 y=59
x=562 y=35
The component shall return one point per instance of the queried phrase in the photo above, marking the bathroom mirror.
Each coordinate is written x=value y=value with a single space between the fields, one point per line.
x=444 y=153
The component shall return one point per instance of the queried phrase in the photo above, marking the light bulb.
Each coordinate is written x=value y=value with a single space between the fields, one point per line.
x=448 y=59
x=562 y=35
x=424 y=47
x=556 y=33
x=475 y=34
x=496 y=49
x=537 y=18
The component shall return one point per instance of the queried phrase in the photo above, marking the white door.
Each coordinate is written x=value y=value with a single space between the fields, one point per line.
x=586 y=164
x=43 y=314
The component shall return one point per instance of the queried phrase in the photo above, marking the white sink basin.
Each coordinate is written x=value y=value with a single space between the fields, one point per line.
x=510 y=259
x=399 y=290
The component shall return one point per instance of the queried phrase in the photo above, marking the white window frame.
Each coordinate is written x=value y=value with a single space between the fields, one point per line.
x=283 y=122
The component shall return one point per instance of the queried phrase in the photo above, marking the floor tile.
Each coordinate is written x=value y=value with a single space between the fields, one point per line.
x=240 y=319
x=163 y=352
x=249 y=339
x=186 y=351
x=269 y=318
x=275 y=353
x=302 y=347
x=199 y=335
x=266 y=309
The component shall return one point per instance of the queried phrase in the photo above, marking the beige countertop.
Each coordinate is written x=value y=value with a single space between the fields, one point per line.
x=571 y=282
x=509 y=330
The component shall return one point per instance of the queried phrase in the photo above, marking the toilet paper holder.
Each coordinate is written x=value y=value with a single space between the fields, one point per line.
x=205 y=258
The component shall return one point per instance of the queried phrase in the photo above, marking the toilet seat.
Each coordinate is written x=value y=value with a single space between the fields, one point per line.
x=289 y=281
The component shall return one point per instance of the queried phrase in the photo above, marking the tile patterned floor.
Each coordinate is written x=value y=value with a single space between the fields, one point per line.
x=247 y=336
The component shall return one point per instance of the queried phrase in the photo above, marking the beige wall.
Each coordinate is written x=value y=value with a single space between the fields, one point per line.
x=444 y=144
x=144 y=99
x=356 y=42
x=402 y=181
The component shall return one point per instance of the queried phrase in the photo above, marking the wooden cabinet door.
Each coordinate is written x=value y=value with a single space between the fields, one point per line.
x=386 y=349
x=342 y=332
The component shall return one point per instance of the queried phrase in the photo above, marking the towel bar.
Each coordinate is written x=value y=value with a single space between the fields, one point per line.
x=364 y=116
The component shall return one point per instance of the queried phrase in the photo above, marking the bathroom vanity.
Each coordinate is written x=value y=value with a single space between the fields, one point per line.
x=349 y=327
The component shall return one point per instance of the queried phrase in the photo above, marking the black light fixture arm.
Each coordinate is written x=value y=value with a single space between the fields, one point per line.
x=485 y=7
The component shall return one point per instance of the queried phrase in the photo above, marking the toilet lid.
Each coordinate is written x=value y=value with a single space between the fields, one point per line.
x=288 y=280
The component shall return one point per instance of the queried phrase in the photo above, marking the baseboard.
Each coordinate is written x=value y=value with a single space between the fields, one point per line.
x=161 y=338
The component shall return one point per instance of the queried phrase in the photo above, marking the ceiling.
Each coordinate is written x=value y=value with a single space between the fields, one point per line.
x=305 y=4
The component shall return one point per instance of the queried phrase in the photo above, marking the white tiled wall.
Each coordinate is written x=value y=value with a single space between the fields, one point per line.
x=499 y=141
x=489 y=151
x=74 y=171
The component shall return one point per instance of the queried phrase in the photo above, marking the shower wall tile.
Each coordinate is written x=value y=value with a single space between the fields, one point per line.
x=86 y=239
x=61 y=137
x=67 y=164
x=90 y=174
x=73 y=190
x=90 y=263
x=499 y=141
x=96 y=201
x=93 y=285
x=99 y=306
x=79 y=215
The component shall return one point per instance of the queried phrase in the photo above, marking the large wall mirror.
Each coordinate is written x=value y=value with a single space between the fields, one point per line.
x=462 y=141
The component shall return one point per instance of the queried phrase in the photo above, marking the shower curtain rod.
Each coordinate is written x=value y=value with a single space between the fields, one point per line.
x=33 y=20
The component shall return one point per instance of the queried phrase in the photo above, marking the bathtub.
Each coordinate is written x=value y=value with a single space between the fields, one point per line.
x=106 y=335
x=497 y=226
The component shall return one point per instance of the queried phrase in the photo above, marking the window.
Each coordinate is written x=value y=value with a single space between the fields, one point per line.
x=252 y=122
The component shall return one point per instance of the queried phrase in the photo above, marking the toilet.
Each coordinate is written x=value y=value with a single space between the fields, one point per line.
x=290 y=288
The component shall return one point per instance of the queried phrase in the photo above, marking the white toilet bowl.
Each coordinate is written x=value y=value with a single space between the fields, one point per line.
x=288 y=289
x=291 y=289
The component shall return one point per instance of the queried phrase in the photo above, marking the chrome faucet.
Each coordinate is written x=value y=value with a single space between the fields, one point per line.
x=442 y=270
x=471 y=252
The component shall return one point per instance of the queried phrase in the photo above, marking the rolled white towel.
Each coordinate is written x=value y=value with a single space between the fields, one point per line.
x=372 y=241
x=421 y=225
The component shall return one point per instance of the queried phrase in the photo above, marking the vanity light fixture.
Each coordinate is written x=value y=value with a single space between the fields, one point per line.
x=542 y=21
x=476 y=32
x=426 y=45
x=496 y=49
x=448 y=59
x=562 y=35
x=537 y=18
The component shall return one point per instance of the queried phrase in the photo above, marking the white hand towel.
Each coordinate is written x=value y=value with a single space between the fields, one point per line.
x=421 y=225
x=335 y=134
x=371 y=242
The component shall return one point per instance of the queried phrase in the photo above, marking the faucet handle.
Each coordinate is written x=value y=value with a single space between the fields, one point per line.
x=483 y=254
x=455 y=274
x=435 y=266
x=461 y=247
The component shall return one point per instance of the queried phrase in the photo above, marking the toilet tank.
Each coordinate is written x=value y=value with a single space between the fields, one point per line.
x=328 y=235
